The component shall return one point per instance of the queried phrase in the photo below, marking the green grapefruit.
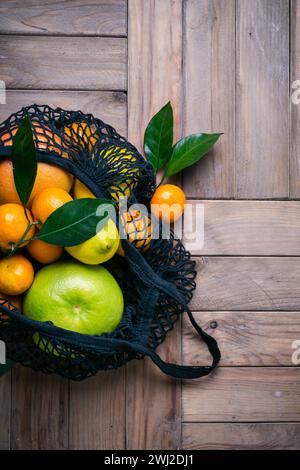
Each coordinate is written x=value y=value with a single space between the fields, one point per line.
x=76 y=297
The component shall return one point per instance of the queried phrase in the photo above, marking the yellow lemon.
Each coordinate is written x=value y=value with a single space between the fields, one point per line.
x=81 y=191
x=116 y=157
x=99 y=248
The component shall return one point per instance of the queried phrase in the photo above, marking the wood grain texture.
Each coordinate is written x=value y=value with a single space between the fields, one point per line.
x=75 y=17
x=5 y=411
x=97 y=412
x=154 y=63
x=262 y=99
x=241 y=436
x=247 y=284
x=39 y=411
x=154 y=77
x=245 y=228
x=154 y=401
x=244 y=394
x=209 y=93
x=63 y=63
x=108 y=106
x=245 y=338
x=295 y=107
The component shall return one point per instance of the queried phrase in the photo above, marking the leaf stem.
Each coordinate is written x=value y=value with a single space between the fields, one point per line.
x=26 y=215
x=161 y=181
x=23 y=239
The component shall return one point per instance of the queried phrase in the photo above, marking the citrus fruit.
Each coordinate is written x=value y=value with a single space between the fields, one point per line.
x=168 y=202
x=43 y=252
x=16 y=275
x=99 y=248
x=81 y=134
x=5 y=138
x=10 y=302
x=81 y=191
x=76 y=297
x=122 y=162
x=13 y=223
x=137 y=227
x=47 y=174
x=43 y=137
x=120 y=251
x=47 y=201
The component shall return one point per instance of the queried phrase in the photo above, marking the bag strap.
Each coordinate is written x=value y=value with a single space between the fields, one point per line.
x=184 y=371
x=146 y=274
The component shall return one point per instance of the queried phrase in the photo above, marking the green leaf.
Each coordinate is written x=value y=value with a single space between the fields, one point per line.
x=6 y=367
x=76 y=221
x=158 y=139
x=188 y=151
x=24 y=159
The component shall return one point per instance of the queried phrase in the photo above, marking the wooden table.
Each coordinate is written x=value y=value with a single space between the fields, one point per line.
x=227 y=66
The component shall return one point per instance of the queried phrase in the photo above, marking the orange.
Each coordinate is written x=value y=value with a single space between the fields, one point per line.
x=47 y=174
x=10 y=302
x=5 y=139
x=16 y=275
x=137 y=227
x=13 y=223
x=81 y=134
x=168 y=202
x=47 y=201
x=43 y=137
x=44 y=252
x=120 y=251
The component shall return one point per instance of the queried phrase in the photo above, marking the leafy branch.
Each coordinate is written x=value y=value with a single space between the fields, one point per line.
x=159 y=149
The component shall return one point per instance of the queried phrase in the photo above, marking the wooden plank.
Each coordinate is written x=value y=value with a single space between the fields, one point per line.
x=109 y=106
x=245 y=228
x=154 y=63
x=209 y=91
x=39 y=411
x=63 y=63
x=95 y=17
x=97 y=412
x=225 y=283
x=154 y=401
x=241 y=436
x=295 y=106
x=244 y=394
x=154 y=77
x=245 y=338
x=262 y=99
x=5 y=410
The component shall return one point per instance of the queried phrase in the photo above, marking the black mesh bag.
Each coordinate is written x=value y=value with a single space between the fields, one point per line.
x=157 y=280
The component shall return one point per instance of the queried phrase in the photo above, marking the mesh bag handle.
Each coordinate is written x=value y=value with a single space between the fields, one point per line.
x=146 y=274
x=184 y=371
